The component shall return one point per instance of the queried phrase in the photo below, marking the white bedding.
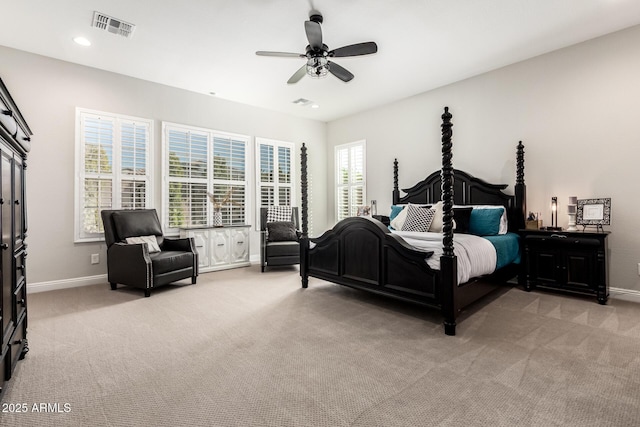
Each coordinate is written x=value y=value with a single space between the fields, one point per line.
x=476 y=256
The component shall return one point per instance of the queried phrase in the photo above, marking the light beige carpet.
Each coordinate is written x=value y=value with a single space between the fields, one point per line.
x=242 y=348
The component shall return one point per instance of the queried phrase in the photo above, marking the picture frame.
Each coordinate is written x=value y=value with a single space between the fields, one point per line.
x=364 y=211
x=594 y=212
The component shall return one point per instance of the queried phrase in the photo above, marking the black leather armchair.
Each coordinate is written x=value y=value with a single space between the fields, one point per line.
x=276 y=253
x=133 y=264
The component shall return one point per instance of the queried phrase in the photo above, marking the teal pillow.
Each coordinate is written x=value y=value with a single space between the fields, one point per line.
x=485 y=222
x=395 y=210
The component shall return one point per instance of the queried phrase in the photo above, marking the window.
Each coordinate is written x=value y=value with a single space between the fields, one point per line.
x=350 y=179
x=275 y=174
x=113 y=158
x=203 y=170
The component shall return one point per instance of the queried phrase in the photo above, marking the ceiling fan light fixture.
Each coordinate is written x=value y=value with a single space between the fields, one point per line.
x=317 y=67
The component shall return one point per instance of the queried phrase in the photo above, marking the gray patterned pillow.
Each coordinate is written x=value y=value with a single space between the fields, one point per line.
x=278 y=213
x=418 y=219
x=281 y=231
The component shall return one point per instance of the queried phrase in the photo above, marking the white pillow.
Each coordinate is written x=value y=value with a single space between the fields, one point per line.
x=399 y=220
x=436 y=224
x=151 y=241
x=504 y=226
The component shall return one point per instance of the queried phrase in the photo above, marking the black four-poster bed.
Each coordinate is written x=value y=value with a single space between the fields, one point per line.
x=362 y=253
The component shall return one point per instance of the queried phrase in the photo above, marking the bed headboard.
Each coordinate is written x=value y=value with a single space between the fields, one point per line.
x=469 y=190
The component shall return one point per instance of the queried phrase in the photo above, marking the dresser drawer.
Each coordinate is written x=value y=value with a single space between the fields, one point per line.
x=562 y=240
x=7 y=121
x=16 y=344
x=20 y=268
x=20 y=301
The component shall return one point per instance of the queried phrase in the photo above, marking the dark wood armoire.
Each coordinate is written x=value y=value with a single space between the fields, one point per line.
x=15 y=142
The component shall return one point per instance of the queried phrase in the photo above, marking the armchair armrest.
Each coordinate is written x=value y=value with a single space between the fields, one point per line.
x=186 y=244
x=129 y=264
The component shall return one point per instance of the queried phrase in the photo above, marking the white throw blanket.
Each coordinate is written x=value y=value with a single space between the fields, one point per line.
x=476 y=256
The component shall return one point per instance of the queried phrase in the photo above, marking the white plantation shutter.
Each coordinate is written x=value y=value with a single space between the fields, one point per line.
x=113 y=158
x=350 y=179
x=275 y=173
x=187 y=175
x=133 y=167
x=229 y=177
x=199 y=162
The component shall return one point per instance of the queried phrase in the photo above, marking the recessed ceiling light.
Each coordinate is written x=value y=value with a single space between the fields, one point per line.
x=315 y=106
x=82 y=41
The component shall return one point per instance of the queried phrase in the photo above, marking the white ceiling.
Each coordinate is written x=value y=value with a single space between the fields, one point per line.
x=209 y=45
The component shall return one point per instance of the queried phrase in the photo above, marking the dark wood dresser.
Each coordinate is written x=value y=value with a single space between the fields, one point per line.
x=15 y=142
x=564 y=260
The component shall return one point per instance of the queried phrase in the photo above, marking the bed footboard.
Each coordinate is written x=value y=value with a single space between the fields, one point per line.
x=361 y=253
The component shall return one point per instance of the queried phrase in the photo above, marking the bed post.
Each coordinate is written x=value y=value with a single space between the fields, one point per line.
x=396 y=190
x=304 y=239
x=448 y=260
x=520 y=188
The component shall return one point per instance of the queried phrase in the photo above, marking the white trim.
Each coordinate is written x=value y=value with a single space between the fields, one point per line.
x=75 y=282
x=625 y=294
x=101 y=279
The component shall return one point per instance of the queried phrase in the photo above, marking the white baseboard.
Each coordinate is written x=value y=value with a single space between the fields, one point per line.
x=616 y=293
x=625 y=294
x=100 y=279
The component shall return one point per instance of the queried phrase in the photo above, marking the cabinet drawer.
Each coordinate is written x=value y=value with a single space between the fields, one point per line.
x=4 y=365
x=20 y=301
x=562 y=240
x=6 y=119
x=20 y=268
x=23 y=139
x=16 y=344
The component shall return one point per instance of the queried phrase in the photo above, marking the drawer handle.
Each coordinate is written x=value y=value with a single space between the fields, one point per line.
x=240 y=242
x=21 y=302
x=16 y=342
x=17 y=202
x=26 y=138
x=4 y=246
x=7 y=113
x=220 y=244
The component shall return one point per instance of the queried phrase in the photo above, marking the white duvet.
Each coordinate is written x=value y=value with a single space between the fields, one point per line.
x=476 y=256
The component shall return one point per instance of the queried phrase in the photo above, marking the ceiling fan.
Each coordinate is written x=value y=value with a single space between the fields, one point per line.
x=318 y=54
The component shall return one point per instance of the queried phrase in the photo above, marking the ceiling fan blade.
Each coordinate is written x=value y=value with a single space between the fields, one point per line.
x=355 y=50
x=297 y=75
x=340 y=72
x=282 y=54
x=314 y=34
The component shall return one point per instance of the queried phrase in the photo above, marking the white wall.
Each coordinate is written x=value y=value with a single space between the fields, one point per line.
x=577 y=110
x=48 y=91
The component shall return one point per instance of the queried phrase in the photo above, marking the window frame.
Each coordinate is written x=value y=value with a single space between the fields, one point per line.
x=292 y=185
x=350 y=184
x=211 y=134
x=116 y=176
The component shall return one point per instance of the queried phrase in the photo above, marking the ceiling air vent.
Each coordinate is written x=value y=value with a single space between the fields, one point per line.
x=301 y=101
x=113 y=25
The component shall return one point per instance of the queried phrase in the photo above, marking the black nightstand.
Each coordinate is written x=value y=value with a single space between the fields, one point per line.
x=572 y=261
x=382 y=218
